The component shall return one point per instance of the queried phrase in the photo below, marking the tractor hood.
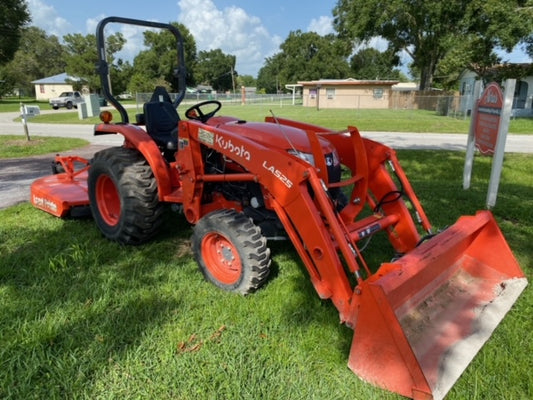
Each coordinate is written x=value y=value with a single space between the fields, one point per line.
x=271 y=134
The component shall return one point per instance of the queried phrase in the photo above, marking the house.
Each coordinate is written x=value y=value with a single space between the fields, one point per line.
x=523 y=94
x=346 y=93
x=53 y=86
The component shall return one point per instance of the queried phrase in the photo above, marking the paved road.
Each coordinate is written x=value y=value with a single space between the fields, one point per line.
x=82 y=131
x=16 y=175
x=397 y=140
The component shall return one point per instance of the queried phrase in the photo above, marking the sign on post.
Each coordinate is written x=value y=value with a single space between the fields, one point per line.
x=488 y=133
x=487 y=124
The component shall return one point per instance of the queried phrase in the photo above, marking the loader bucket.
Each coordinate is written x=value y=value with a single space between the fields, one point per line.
x=422 y=319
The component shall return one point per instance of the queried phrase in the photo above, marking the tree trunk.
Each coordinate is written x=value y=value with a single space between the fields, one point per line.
x=426 y=76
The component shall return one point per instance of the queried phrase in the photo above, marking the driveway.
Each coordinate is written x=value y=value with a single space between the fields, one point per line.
x=16 y=175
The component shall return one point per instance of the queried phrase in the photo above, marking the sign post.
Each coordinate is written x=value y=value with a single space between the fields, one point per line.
x=471 y=143
x=488 y=132
x=24 y=116
x=497 y=162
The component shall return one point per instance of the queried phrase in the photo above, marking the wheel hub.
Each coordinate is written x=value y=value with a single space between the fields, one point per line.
x=221 y=258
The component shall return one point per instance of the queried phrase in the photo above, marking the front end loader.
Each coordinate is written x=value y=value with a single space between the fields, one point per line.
x=418 y=319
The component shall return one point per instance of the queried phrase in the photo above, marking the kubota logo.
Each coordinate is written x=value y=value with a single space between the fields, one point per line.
x=239 y=151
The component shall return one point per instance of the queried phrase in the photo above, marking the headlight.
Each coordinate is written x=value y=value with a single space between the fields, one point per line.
x=307 y=157
x=332 y=159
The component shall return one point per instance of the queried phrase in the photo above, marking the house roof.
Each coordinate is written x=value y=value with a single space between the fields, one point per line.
x=405 y=86
x=55 y=79
x=347 y=82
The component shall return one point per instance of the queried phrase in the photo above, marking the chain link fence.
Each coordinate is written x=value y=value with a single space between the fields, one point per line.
x=442 y=103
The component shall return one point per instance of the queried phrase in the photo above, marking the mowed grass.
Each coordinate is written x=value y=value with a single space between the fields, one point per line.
x=366 y=120
x=85 y=318
x=15 y=146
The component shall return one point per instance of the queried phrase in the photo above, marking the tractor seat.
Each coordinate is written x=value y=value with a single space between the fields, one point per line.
x=162 y=119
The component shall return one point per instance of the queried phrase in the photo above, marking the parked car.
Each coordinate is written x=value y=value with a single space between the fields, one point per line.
x=66 y=99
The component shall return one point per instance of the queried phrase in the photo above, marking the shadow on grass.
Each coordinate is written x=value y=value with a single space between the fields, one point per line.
x=73 y=301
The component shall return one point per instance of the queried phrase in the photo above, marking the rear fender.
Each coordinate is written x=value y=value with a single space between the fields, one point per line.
x=137 y=138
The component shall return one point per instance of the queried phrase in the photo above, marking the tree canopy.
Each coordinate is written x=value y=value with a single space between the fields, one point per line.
x=429 y=31
x=216 y=69
x=157 y=63
x=304 y=56
x=38 y=55
x=82 y=57
x=442 y=37
x=370 y=63
x=14 y=15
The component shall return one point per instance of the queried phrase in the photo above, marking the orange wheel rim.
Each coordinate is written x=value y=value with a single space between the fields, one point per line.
x=221 y=258
x=108 y=200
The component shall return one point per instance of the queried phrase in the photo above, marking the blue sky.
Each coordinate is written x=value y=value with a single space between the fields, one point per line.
x=252 y=30
x=249 y=29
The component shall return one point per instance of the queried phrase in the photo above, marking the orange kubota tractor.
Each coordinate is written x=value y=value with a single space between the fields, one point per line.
x=418 y=320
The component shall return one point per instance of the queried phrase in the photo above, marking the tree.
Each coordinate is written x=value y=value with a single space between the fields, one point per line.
x=370 y=63
x=216 y=69
x=304 y=56
x=308 y=56
x=38 y=56
x=429 y=30
x=14 y=15
x=159 y=61
x=246 y=80
x=269 y=75
x=121 y=74
x=82 y=56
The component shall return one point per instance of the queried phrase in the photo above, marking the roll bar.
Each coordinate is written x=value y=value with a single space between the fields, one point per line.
x=103 y=66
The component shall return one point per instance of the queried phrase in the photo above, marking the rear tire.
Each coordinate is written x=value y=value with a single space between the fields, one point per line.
x=123 y=196
x=231 y=252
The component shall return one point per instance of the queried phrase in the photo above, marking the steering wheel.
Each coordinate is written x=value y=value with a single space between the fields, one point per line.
x=195 y=112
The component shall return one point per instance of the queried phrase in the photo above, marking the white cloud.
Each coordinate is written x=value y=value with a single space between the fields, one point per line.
x=232 y=30
x=92 y=23
x=47 y=18
x=132 y=33
x=323 y=25
x=377 y=42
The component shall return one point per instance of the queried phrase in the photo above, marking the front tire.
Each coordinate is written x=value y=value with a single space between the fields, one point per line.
x=231 y=252
x=123 y=196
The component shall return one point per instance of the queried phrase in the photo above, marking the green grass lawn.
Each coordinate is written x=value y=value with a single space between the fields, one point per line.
x=11 y=104
x=85 y=318
x=365 y=120
x=14 y=146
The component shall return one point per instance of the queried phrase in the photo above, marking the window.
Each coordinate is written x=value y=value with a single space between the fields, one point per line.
x=312 y=93
x=330 y=93
x=41 y=88
x=378 y=94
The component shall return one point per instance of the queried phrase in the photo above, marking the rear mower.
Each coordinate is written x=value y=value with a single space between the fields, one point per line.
x=418 y=320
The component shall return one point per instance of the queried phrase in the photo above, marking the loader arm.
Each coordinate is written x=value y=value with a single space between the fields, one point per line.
x=325 y=239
